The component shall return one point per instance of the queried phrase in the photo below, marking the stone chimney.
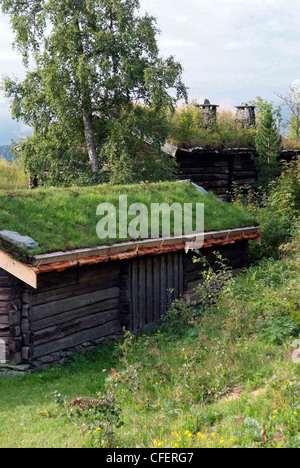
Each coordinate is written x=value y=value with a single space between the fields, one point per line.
x=209 y=112
x=245 y=115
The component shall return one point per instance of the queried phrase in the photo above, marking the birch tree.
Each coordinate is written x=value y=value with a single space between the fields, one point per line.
x=95 y=80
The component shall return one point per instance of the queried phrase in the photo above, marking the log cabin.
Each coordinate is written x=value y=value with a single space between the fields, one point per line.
x=71 y=292
x=220 y=170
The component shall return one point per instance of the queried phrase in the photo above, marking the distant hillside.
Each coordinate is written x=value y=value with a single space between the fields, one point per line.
x=5 y=152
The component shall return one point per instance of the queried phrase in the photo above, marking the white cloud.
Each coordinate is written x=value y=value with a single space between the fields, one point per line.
x=241 y=45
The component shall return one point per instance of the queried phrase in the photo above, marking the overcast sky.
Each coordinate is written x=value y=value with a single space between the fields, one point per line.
x=231 y=50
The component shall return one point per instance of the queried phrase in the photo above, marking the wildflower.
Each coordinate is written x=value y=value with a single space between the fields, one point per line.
x=157 y=444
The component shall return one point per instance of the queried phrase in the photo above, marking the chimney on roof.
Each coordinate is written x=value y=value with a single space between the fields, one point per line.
x=245 y=115
x=209 y=112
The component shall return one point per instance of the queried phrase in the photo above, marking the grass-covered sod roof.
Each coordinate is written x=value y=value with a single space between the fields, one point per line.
x=66 y=219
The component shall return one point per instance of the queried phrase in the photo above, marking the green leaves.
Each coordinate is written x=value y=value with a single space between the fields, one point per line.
x=94 y=63
x=268 y=144
x=28 y=21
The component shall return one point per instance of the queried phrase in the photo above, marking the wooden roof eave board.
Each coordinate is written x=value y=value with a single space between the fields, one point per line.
x=77 y=254
x=29 y=273
x=18 y=270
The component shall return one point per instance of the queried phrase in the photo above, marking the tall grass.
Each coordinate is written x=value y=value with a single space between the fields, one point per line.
x=188 y=130
x=12 y=176
x=290 y=144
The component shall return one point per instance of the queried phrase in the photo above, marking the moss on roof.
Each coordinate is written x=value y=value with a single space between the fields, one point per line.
x=65 y=219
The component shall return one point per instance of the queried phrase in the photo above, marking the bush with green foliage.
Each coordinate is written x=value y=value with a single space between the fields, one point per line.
x=268 y=144
x=96 y=418
x=277 y=210
x=180 y=317
x=60 y=160
x=260 y=106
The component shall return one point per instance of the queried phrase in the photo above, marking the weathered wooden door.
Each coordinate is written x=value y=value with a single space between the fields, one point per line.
x=154 y=283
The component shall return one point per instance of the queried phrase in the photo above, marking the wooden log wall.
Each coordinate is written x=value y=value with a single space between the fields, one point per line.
x=70 y=311
x=10 y=317
x=219 y=170
x=216 y=171
x=78 y=309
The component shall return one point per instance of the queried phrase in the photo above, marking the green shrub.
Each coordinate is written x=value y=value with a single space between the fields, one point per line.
x=180 y=317
x=96 y=418
x=277 y=210
x=277 y=329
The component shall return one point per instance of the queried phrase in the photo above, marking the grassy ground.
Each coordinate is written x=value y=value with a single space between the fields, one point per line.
x=223 y=379
x=12 y=176
x=28 y=412
x=62 y=219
